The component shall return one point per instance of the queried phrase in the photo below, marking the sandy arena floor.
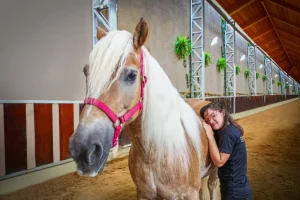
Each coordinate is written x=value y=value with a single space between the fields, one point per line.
x=273 y=143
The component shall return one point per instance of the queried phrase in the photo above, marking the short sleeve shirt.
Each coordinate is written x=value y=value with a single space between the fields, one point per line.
x=233 y=178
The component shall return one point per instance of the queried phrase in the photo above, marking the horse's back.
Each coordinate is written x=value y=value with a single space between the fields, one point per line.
x=196 y=104
x=207 y=167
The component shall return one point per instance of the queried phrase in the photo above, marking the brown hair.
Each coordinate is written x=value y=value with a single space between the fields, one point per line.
x=227 y=117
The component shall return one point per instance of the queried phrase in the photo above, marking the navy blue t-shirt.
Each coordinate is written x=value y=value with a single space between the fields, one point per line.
x=233 y=179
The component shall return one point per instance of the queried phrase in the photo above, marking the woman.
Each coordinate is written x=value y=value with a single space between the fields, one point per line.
x=228 y=152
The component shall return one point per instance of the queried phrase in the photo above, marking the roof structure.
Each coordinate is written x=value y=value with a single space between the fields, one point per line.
x=274 y=25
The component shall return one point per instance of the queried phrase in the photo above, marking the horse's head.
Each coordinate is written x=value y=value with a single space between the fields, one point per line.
x=115 y=83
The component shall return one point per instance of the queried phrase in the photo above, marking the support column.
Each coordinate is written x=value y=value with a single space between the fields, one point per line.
x=252 y=69
x=104 y=15
x=268 y=71
x=230 y=62
x=197 y=57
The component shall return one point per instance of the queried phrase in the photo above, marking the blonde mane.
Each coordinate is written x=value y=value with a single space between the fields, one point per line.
x=108 y=55
x=169 y=123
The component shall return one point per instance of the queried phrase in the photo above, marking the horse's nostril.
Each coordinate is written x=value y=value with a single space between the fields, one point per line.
x=94 y=154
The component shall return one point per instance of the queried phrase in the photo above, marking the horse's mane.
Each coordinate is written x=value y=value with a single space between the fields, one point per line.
x=107 y=57
x=168 y=122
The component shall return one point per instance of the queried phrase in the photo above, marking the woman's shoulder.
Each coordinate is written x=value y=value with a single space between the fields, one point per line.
x=230 y=130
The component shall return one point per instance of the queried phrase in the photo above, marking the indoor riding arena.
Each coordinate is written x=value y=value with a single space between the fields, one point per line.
x=243 y=54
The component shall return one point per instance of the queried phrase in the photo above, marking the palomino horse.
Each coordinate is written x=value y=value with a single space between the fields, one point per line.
x=127 y=87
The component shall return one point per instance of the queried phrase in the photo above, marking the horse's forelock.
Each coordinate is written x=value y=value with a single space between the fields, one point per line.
x=107 y=60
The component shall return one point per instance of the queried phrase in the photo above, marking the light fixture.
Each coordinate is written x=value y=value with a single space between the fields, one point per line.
x=214 y=41
x=261 y=66
x=242 y=58
x=290 y=84
x=276 y=75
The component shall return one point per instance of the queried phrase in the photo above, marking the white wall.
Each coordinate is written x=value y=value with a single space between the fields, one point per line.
x=44 y=46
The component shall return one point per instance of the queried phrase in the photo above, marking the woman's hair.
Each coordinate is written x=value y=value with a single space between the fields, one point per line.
x=227 y=117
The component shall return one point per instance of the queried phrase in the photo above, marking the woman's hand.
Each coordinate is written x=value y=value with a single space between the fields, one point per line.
x=208 y=130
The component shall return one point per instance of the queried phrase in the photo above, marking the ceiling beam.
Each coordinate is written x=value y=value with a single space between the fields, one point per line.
x=254 y=21
x=264 y=33
x=294 y=56
x=240 y=6
x=295 y=59
x=275 y=49
x=286 y=22
x=277 y=54
x=286 y=32
x=268 y=42
x=289 y=49
x=292 y=43
x=271 y=20
x=286 y=6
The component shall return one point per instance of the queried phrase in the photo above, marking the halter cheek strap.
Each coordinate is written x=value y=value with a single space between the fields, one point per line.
x=119 y=121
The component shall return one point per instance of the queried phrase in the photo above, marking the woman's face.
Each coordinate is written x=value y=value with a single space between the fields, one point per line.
x=214 y=118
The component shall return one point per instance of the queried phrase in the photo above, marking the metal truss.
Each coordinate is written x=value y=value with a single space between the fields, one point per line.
x=283 y=83
x=104 y=15
x=230 y=64
x=268 y=72
x=197 y=57
x=252 y=70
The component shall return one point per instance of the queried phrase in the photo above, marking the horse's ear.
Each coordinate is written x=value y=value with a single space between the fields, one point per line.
x=85 y=69
x=140 y=34
x=100 y=33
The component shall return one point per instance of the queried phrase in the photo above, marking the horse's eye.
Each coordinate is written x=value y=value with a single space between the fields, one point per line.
x=131 y=76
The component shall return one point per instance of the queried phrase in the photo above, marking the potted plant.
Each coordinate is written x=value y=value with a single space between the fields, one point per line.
x=221 y=64
x=257 y=75
x=246 y=73
x=237 y=69
x=183 y=49
x=207 y=59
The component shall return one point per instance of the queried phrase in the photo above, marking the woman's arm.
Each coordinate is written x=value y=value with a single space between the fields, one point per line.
x=219 y=159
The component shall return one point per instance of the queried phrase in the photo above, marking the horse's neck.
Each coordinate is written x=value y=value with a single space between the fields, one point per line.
x=134 y=129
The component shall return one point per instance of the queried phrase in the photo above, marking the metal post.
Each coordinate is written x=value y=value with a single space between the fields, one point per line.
x=252 y=69
x=197 y=57
x=268 y=70
x=103 y=9
x=230 y=62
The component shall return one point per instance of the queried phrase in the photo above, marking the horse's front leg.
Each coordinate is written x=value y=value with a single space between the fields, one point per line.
x=212 y=183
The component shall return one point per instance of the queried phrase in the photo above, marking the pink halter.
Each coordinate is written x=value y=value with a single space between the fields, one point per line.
x=119 y=121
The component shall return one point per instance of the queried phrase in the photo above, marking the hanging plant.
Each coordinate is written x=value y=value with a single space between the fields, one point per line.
x=183 y=49
x=264 y=77
x=293 y=90
x=279 y=83
x=246 y=73
x=207 y=59
x=221 y=64
x=273 y=81
x=287 y=86
x=237 y=69
x=257 y=75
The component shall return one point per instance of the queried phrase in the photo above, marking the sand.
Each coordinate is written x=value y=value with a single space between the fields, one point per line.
x=273 y=143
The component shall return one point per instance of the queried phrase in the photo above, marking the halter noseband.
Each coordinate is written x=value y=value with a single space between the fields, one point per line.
x=119 y=121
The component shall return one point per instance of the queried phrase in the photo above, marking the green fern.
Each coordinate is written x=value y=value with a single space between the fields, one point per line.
x=237 y=69
x=221 y=64
x=279 y=83
x=183 y=47
x=246 y=73
x=207 y=59
x=273 y=81
x=287 y=86
x=264 y=77
x=257 y=75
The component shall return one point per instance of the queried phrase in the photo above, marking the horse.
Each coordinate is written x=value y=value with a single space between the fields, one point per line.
x=126 y=87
